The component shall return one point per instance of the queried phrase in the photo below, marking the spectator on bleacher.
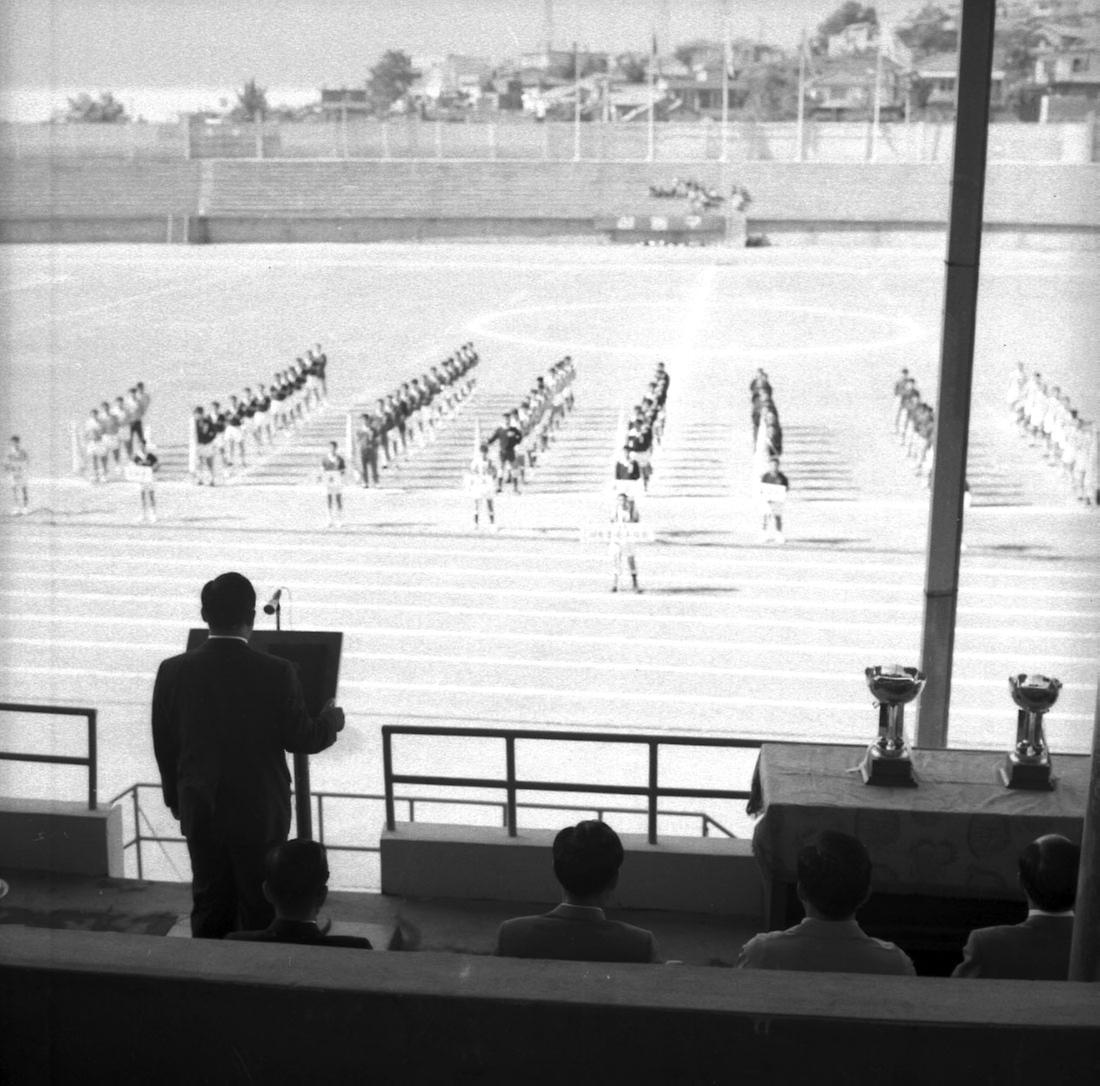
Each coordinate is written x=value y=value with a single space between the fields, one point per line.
x=296 y=884
x=1038 y=948
x=834 y=880
x=587 y=858
x=223 y=716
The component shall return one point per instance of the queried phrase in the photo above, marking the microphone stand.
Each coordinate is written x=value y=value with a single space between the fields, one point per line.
x=303 y=805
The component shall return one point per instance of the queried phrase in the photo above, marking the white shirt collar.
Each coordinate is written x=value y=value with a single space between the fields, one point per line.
x=226 y=637
x=1042 y=912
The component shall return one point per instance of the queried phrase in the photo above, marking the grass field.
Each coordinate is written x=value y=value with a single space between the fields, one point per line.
x=517 y=628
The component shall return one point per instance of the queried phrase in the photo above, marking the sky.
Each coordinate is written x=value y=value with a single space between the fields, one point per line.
x=153 y=52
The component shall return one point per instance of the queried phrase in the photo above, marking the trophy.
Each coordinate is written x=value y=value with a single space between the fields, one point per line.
x=887 y=760
x=1028 y=766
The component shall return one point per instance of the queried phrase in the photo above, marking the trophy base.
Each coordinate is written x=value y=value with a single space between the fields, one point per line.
x=1031 y=775
x=882 y=771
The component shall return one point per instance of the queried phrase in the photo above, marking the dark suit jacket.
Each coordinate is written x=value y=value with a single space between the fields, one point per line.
x=575 y=933
x=1037 y=949
x=223 y=715
x=298 y=931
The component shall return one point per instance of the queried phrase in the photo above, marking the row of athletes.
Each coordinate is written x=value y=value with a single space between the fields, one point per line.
x=221 y=434
x=915 y=425
x=412 y=413
x=1047 y=417
x=524 y=435
x=527 y=430
x=634 y=465
x=772 y=484
x=113 y=428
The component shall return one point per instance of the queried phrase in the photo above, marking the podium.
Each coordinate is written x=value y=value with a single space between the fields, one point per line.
x=315 y=655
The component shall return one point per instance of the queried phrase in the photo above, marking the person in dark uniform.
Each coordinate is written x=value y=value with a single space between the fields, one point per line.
x=367 y=439
x=205 y=436
x=222 y=717
x=507 y=438
x=296 y=884
x=773 y=500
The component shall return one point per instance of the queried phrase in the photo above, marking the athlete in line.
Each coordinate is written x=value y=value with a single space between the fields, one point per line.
x=16 y=463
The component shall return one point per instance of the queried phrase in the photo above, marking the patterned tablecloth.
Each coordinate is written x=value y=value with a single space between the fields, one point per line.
x=958 y=833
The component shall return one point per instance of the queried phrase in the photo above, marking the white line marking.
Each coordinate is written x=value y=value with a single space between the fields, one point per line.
x=586 y=694
x=564 y=552
x=420 y=633
x=910 y=332
x=752 y=618
x=749 y=598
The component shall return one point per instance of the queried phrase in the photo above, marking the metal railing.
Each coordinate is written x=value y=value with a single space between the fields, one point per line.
x=88 y=760
x=706 y=822
x=652 y=790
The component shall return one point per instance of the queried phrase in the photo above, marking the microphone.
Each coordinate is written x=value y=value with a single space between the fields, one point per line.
x=272 y=604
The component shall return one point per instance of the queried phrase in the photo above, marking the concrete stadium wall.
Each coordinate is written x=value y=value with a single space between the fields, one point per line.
x=687 y=874
x=129 y=1008
x=362 y=201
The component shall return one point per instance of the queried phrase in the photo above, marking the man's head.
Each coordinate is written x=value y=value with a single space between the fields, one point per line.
x=332 y=446
x=229 y=604
x=296 y=879
x=15 y=441
x=774 y=462
x=587 y=858
x=1048 y=873
x=834 y=875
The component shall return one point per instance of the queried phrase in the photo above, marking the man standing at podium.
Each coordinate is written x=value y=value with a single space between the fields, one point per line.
x=223 y=716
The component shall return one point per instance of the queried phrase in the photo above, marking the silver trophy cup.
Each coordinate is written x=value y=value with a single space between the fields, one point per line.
x=887 y=761
x=1028 y=766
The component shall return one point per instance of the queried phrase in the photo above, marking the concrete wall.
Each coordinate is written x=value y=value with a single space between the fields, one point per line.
x=82 y=1006
x=687 y=874
x=51 y=835
x=359 y=200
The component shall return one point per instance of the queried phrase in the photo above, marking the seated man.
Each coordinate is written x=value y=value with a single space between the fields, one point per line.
x=297 y=885
x=1038 y=948
x=587 y=858
x=834 y=880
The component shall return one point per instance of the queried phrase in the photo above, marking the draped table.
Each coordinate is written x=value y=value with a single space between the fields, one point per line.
x=956 y=836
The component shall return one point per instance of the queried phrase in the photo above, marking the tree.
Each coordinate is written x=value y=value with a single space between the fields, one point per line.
x=390 y=79
x=633 y=66
x=768 y=91
x=930 y=30
x=251 y=103
x=691 y=53
x=848 y=13
x=106 y=109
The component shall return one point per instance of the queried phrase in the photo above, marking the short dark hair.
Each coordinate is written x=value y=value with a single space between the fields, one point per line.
x=587 y=857
x=228 y=601
x=834 y=872
x=295 y=872
x=1048 y=872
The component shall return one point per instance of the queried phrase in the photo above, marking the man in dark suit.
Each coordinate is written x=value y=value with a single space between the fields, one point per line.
x=297 y=885
x=223 y=715
x=834 y=880
x=587 y=858
x=1038 y=948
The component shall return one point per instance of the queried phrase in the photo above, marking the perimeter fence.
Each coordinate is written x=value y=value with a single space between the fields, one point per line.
x=498 y=139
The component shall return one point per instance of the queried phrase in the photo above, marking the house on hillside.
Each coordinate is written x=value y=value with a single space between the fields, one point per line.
x=343 y=102
x=937 y=76
x=843 y=88
x=1067 y=60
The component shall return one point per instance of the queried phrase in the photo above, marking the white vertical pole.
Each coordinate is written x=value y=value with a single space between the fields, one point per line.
x=877 y=98
x=651 y=134
x=576 y=104
x=800 y=146
x=727 y=59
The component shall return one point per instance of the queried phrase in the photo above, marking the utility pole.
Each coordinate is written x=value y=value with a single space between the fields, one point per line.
x=960 y=305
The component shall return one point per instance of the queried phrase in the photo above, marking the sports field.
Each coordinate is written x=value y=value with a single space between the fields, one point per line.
x=517 y=628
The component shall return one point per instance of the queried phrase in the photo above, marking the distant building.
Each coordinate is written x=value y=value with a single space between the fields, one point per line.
x=844 y=88
x=938 y=75
x=344 y=102
x=1067 y=61
x=855 y=38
